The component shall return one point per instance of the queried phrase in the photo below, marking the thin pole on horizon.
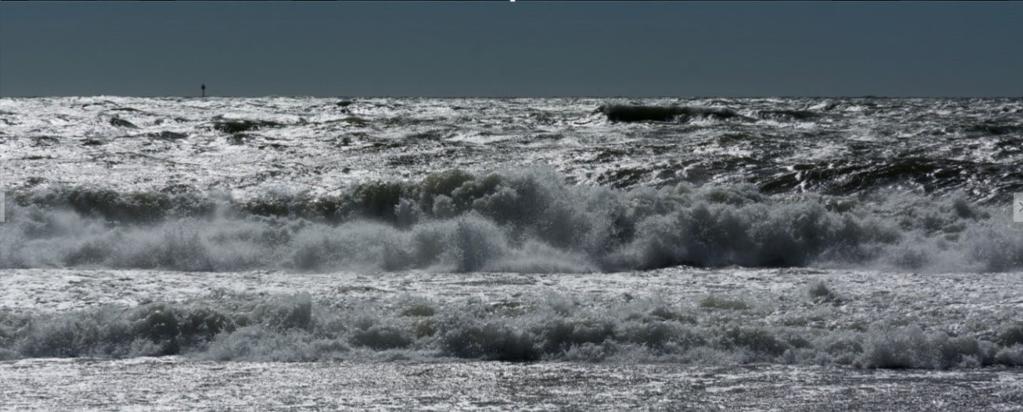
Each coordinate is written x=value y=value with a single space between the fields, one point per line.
x=203 y=87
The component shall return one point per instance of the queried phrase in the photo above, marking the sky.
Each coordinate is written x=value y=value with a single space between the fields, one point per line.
x=518 y=48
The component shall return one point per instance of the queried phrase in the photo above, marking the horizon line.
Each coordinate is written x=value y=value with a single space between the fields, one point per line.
x=384 y=96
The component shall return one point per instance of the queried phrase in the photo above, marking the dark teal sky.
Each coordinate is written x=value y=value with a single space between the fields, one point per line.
x=512 y=49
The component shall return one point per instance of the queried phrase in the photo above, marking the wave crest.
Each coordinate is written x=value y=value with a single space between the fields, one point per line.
x=293 y=328
x=529 y=221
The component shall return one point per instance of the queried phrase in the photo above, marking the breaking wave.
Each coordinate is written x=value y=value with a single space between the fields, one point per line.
x=519 y=221
x=294 y=328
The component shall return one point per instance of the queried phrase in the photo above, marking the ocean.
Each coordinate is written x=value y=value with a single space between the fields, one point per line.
x=562 y=253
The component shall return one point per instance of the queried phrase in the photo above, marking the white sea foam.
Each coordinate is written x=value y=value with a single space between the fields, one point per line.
x=520 y=221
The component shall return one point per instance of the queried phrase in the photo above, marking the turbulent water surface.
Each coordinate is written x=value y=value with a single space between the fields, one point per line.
x=662 y=249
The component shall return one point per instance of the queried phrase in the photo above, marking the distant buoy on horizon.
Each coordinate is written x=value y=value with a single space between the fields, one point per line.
x=203 y=89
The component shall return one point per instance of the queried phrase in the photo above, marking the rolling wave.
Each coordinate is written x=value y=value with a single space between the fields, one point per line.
x=294 y=328
x=517 y=221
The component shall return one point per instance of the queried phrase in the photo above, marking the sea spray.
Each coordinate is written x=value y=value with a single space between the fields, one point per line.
x=295 y=328
x=528 y=220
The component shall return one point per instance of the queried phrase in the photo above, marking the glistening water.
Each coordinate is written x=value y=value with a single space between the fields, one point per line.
x=438 y=253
